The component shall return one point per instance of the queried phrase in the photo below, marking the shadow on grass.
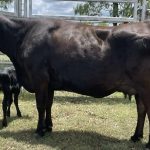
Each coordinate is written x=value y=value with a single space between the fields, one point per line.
x=88 y=100
x=79 y=99
x=13 y=118
x=73 y=140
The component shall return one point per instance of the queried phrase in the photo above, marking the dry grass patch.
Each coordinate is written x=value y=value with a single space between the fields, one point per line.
x=80 y=123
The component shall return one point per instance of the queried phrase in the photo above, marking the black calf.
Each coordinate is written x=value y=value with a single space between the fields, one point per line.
x=10 y=86
x=127 y=96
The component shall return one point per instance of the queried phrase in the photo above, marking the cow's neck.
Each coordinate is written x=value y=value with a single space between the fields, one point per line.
x=10 y=34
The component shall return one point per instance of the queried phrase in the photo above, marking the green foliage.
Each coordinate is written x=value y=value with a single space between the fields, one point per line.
x=126 y=10
x=4 y=3
x=94 y=8
x=90 y=8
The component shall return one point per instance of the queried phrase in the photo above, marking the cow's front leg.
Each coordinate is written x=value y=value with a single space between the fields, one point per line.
x=48 y=119
x=41 y=99
x=141 y=113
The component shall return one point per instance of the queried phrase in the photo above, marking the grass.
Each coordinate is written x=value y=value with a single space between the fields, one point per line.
x=80 y=123
x=4 y=58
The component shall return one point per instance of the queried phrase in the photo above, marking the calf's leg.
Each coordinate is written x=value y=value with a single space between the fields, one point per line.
x=16 y=94
x=9 y=102
x=4 y=107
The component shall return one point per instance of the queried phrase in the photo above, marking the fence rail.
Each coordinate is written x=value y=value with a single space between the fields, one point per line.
x=93 y=18
x=23 y=8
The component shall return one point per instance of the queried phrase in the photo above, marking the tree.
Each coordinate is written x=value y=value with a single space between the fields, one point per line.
x=90 y=8
x=94 y=8
x=4 y=3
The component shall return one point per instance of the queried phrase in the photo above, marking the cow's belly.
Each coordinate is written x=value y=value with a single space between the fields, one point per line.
x=94 y=82
x=91 y=84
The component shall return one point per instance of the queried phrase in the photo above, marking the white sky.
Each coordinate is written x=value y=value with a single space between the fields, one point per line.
x=48 y=7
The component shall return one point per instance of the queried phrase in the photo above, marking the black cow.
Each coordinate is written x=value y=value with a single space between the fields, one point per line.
x=51 y=55
x=10 y=87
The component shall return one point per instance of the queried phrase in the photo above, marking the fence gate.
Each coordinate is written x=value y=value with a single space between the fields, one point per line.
x=90 y=18
x=23 y=8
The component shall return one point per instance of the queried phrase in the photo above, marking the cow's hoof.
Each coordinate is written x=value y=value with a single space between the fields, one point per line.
x=4 y=123
x=19 y=114
x=8 y=113
x=136 y=138
x=48 y=129
x=39 y=133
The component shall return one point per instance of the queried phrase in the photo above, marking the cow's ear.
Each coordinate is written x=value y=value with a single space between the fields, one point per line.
x=102 y=34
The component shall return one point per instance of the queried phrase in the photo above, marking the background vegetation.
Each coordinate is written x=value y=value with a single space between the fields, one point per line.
x=4 y=3
x=118 y=9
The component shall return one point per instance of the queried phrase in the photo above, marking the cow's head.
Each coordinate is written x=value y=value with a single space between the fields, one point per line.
x=126 y=39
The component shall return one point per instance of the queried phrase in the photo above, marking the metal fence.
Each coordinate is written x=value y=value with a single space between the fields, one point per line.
x=23 y=8
x=94 y=18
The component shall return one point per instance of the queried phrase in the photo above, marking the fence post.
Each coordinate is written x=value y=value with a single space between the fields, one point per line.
x=135 y=10
x=18 y=8
x=30 y=8
x=143 y=10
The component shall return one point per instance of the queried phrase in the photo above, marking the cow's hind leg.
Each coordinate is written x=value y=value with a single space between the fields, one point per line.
x=16 y=94
x=148 y=113
x=141 y=113
x=146 y=102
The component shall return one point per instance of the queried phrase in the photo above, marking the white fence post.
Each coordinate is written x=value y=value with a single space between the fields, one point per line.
x=19 y=10
x=135 y=10
x=30 y=8
x=26 y=8
x=144 y=4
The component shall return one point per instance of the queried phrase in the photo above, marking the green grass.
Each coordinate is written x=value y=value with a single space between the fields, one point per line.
x=80 y=123
x=4 y=61
x=4 y=58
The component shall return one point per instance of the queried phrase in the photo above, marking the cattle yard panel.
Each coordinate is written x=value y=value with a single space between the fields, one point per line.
x=17 y=9
x=143 y=15
x=94 y=18
x=23 y=8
